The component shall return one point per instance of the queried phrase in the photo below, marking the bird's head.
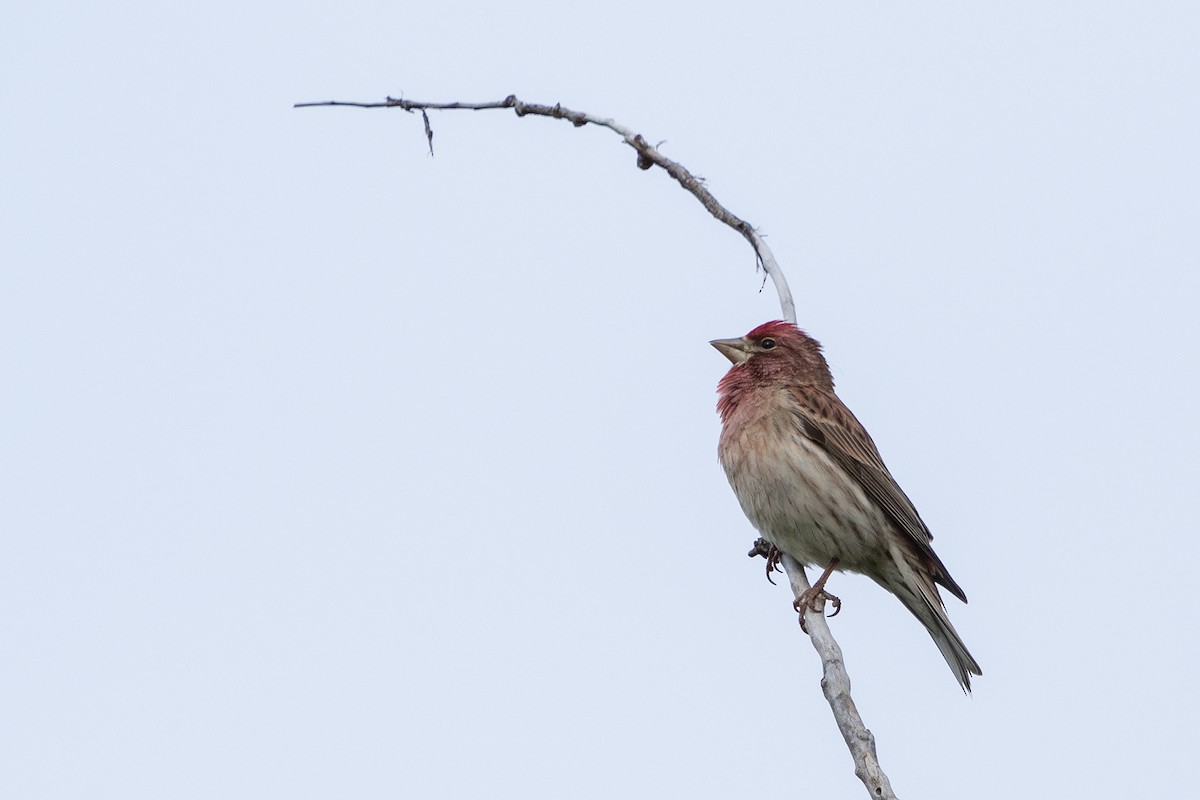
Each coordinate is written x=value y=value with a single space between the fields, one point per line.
x=776 y=353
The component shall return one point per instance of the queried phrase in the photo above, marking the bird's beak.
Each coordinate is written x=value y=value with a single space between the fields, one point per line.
x=736 y=350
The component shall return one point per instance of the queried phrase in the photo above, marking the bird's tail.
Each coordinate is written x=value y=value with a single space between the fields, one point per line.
x=920 y=596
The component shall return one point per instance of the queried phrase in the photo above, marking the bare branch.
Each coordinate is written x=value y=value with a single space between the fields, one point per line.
x=647 y=156
x=835 y=682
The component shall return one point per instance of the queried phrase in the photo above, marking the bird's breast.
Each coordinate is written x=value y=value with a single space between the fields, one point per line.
x=796 y=496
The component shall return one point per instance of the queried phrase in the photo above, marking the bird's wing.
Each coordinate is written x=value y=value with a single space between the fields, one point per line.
x=826 y=420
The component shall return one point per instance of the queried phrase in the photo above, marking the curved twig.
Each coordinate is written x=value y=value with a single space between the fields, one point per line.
x=835 y=682
x=648 y=156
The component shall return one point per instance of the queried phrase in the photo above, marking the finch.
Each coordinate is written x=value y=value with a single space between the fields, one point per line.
x=810 y=479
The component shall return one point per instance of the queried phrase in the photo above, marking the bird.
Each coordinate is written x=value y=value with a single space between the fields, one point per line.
x=810 y=479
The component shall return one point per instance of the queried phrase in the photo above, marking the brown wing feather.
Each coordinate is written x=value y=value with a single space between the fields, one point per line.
x=828 y=422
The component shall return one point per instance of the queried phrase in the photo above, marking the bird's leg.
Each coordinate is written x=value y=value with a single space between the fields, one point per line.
x=770 y=552
x=809 y=598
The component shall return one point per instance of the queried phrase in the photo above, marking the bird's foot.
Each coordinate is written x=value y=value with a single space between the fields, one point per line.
x=815 y=598
x=770 y=552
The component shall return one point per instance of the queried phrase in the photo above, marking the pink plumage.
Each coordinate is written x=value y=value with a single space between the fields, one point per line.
x=810 y=479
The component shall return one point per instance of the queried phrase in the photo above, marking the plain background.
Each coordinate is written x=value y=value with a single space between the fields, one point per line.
x=335 y=470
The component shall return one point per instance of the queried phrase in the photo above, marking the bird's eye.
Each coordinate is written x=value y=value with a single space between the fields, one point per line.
x=767 y=344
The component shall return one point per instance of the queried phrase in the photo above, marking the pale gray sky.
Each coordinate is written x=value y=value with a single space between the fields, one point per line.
x=333 y=470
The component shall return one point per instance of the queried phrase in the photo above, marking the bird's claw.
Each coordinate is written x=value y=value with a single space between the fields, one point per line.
x=770 y=552
x=815 y=599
